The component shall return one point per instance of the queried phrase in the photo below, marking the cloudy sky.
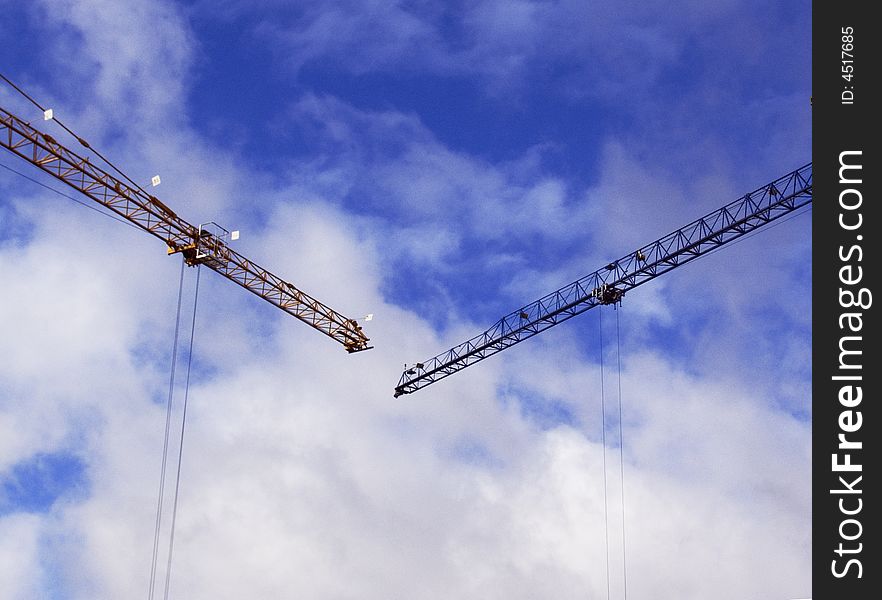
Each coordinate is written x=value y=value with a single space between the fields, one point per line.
x=437 y=165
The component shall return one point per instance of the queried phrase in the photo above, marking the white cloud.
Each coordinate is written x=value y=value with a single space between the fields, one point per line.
x=19 y=547
x=303 y=473
x=502 y=43
x=368 y=35
x=130 y=57
x=299 y=459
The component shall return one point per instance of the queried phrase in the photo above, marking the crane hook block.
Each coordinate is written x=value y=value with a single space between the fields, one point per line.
x=607 y=294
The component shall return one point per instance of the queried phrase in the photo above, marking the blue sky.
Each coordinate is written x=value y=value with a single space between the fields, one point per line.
x=437 y=165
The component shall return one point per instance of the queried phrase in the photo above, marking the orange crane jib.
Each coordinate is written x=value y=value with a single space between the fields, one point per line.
x=198 y=246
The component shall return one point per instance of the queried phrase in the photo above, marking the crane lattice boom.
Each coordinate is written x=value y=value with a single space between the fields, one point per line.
x=197 y=244
x=609 y=284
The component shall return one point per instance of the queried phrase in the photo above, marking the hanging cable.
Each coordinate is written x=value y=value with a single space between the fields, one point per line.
x=168 y=413
x=621 y=456
x=69 y=197
x=603 y=444
x=171 y=541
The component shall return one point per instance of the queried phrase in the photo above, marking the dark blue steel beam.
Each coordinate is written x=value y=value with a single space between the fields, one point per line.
x=609 y=284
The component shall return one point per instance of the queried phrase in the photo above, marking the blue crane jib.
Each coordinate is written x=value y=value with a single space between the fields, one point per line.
x=609 y=284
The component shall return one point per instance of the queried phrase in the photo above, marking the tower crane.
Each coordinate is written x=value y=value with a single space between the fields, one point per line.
x=609 y=284
x=204 y=245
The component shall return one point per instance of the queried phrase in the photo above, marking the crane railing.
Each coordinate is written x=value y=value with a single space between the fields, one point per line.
x=609 y=284
x=153 y=216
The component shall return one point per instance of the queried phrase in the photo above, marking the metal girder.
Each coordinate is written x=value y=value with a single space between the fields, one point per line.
x=154 y=217
x=609 y=284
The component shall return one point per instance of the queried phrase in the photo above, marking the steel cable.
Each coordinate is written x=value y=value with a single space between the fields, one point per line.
x=603 y=444
x=168 y=413
x=171 y=541
x=621 y=456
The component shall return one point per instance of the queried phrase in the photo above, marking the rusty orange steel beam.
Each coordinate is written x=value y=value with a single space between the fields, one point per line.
x=197 y=245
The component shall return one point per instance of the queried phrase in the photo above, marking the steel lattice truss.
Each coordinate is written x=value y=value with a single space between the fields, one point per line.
x=199 y=246
x=609 y=284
